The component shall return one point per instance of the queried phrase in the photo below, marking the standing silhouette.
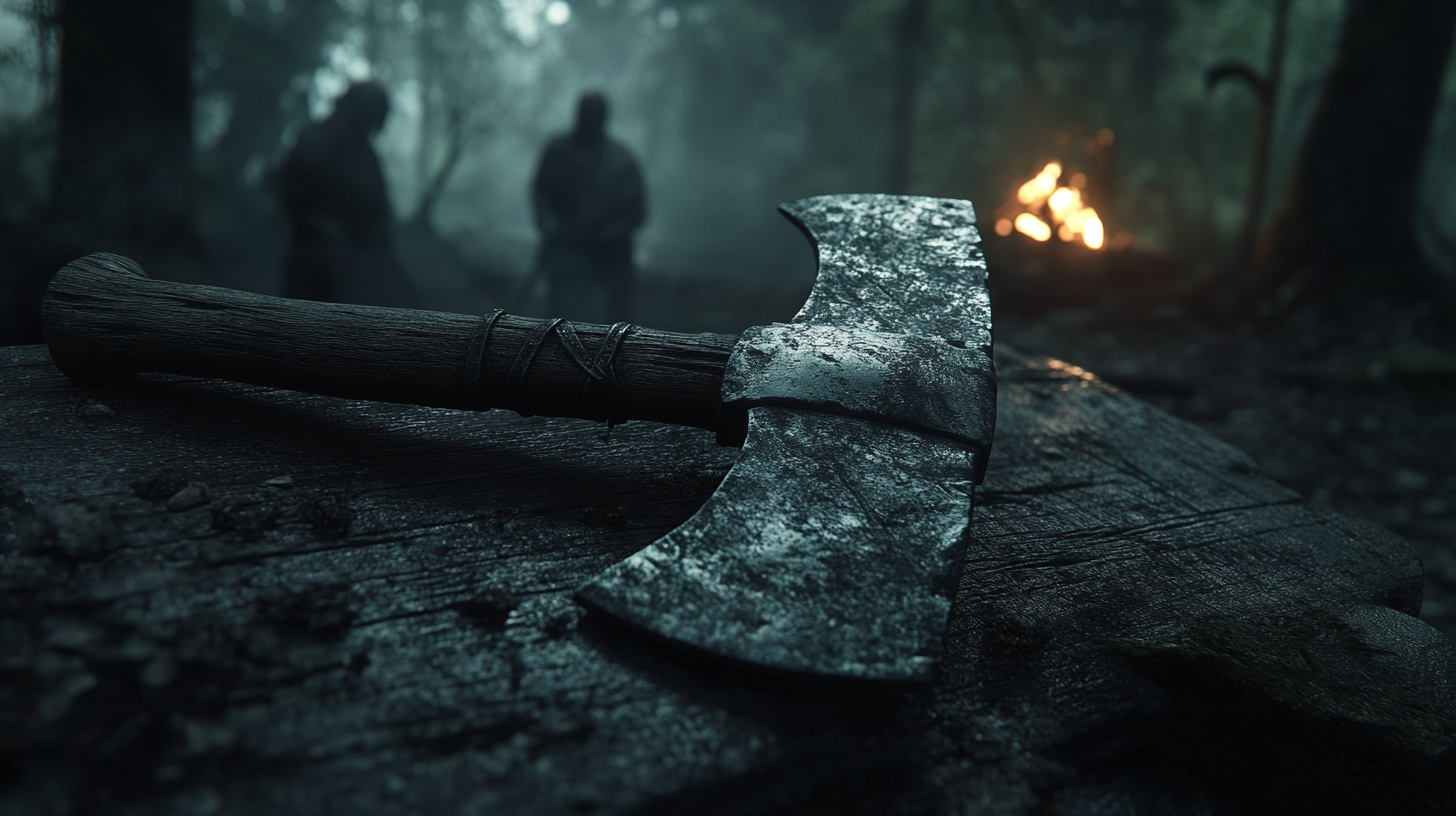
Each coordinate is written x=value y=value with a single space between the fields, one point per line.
x=588 y=198
x=341 y=245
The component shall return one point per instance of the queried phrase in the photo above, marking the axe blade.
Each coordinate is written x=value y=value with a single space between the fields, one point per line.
x=833 y=547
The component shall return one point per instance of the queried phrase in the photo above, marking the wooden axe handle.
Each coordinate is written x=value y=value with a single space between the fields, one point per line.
x=104 y=319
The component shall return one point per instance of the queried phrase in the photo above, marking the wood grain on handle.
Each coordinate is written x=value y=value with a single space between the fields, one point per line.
x=104 y=318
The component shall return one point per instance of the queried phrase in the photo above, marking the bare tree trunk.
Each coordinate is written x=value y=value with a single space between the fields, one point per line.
x=1348 y=214
x=910 y=36
x=123 y=174
x=1031 y=122
x=1263 y=137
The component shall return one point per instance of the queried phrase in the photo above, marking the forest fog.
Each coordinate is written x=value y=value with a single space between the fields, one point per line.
x=731 y=107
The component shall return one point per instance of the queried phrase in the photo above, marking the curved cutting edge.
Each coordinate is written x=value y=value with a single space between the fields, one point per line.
x=832 y=548
x=834 y=545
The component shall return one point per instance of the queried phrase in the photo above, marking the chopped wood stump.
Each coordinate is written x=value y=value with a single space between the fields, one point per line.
x=220 y=598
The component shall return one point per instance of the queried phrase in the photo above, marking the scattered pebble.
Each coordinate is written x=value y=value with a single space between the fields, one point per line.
x=249 y=520
x=80 y=530
x=193 y=495
x=160 y=486
x=489 y=608
x=320 y=608
x=328 y=513
x=560 y=624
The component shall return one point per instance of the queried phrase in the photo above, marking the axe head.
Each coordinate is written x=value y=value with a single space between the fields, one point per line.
x=833 y=547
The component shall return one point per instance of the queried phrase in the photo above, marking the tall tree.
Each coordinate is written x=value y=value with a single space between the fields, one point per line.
x=909 y=39
x=1350 y=208
x=123 y=173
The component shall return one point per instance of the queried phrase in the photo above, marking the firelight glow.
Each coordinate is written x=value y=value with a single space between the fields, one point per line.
x=1092 y=231
x=1069 y=217
x=1033 y=227
x=1063 y=198
x=1041 y=186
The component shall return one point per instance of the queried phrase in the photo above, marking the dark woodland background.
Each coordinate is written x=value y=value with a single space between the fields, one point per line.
x=1277 y=178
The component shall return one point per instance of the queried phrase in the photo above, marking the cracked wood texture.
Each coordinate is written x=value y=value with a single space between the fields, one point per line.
x=222 y=598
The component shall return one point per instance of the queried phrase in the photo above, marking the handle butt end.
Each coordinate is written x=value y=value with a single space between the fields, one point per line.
x=75 y=292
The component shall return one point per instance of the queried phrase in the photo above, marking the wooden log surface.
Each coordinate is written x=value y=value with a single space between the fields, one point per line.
x=222 y=598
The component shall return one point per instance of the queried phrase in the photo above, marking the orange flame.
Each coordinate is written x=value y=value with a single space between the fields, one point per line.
x=1042 y=185
x=1092 y=231
x=1065 y=214
x=1033 y=227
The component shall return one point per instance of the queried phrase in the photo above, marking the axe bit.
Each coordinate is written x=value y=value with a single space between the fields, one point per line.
x=833 y=547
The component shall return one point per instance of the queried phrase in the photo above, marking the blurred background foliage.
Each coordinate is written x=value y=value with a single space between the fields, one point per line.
x=732 y=106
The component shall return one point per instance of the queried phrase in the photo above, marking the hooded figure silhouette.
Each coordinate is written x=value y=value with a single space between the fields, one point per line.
x=340 y=222
x=588 y=199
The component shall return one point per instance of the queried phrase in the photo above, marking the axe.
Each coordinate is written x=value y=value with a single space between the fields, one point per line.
x=833 y=547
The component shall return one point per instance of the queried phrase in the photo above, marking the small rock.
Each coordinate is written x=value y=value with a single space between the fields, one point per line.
x=193 y=495
x=160 y=486
x=249 y=520
x=97 y=409
x=328 y=514
x=311 y=607
x=490 y=608
x=78 y=529
x=284 y=482
x=560 y=624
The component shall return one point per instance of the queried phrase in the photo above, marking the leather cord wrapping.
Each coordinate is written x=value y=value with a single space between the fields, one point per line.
x=598 y=365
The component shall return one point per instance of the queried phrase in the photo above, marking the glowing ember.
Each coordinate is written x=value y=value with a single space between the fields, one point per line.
x=1041 y=186
x=1092 y=231
x=1063 y=199
x=1033 y=227
x=1069 y=218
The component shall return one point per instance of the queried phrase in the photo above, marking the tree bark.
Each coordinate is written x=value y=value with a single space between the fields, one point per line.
x=123 y=174
x=1349 y=210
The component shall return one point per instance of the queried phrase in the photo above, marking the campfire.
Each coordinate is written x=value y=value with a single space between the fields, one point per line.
x=1061 y=243
x=1049 y=208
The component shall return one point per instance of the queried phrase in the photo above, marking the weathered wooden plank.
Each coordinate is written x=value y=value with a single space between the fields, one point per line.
x=1119 y=643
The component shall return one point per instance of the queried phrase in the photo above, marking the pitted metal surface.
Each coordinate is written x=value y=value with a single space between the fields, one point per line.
x=833 y=546
x=928 y=383
x=902 y=264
